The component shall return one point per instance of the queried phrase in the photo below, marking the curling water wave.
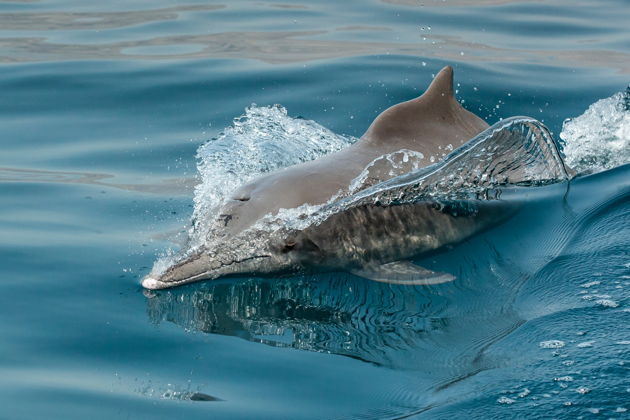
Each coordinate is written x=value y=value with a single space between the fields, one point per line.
x=515 y=151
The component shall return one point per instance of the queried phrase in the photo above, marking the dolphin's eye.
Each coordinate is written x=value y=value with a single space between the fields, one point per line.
x=288 y=246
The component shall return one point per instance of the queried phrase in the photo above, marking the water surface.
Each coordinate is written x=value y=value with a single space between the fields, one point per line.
x=103 y=110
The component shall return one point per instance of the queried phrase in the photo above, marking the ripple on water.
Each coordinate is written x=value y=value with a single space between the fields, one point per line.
x=163 y=50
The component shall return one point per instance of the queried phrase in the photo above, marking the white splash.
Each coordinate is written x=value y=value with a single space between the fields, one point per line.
x=262 y=140
x=599 y=139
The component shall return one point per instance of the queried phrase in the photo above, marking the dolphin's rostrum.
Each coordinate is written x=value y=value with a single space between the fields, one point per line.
x=371 y=207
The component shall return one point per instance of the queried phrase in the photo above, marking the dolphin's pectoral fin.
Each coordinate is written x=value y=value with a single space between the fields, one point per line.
x=403 y=272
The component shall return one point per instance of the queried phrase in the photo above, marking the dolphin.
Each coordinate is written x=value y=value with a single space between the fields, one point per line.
x=356 y=231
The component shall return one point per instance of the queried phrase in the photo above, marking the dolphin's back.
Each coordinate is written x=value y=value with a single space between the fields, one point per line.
x=431 y=125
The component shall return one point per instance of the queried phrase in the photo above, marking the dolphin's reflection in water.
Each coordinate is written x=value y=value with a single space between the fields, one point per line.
x=337 y=313
x=401 y=327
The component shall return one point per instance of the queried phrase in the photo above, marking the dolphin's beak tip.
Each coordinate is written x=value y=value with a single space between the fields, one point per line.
x=150 y=283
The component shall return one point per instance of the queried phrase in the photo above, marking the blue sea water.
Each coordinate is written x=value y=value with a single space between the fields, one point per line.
x=105 y=108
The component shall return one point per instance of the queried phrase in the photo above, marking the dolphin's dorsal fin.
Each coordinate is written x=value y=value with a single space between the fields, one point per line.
x=441 y=88
x=427 y=123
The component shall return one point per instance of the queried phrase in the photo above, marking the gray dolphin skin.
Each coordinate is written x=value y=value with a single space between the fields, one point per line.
x=367 y=239
x=426 y=124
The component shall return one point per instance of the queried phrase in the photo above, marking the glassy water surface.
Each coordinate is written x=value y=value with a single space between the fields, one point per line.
x=119 y=120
